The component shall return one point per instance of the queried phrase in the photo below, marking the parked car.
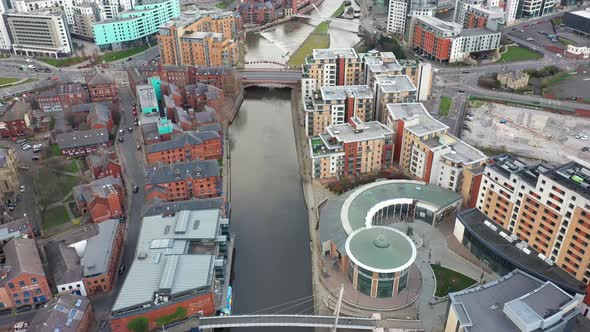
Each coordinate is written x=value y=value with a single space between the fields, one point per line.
x=20 y=141
x=120 y=139
x=138 y=147
x=35 y=157
x=121 y=132
x=582 y=137
x=26 y=147
x=585 y=149
x=22 y=188
x=130 y=129
x=135 y=188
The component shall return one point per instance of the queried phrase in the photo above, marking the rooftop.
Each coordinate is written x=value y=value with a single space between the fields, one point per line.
x=385 y=67
x=16 y=112
x=574 y=176
x=22 y=256
x=82 y=138
x=17 y=228
x=363 y=131
x=526 y=299
x=61 y=314
x=182 y=139
x=147 y=96
x=344 y=91
x=461 y=152
x=416 y=117
x=381 y=249
x=394 y=83
x=343 y=215
x=450 y=28
x=478 y=32
x=164 y=260
x=582 y=13
x=507 y=165
x=95 y=252
x=334 y=53
x=165 y=173
x=506 y=247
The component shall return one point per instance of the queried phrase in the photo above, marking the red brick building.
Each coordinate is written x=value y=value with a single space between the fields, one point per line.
x=257 y=12
x=68 y=312
x=16 y=121
x=83 y=142
x=181 y=181
x=101 y=199
x=103 y=163
x=200 y=95
x=64 y=95
x=100 y=116
x=102 y=88
x=23 y=276
x=186 y=146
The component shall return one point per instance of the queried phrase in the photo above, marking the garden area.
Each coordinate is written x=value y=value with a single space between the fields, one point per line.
x=449 y=281
x=65 y=62
x=519 y=53
x=8 y=80
x=119 y=55
x=319 y=38
x=224 y=4
x=445 y=106
x=54 y=217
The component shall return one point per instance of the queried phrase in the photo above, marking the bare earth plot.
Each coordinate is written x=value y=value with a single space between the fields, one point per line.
x=528 y=133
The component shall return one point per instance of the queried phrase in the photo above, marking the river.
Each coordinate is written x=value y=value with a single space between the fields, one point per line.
x=279 y=42
x=269 y=217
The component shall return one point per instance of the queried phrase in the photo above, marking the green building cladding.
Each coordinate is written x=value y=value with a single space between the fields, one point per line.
x=143 y=20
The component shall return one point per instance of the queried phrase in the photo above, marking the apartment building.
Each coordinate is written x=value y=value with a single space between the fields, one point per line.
x=67 y=313
x=331 y=67
x=351 y=149
x=181 y=181
x=85 y=15
x=392 y=89
x=335 y=105
x=9 y=179
x=461 y=7
x=483 y=17
x=448 y=41
x=5 y=43
x=257 y=12
x=536 y=8
x=424 y=148
x=42 y=32
x=186 y=146
x=134 y=24
x=546 y=208
x=384 y=63
x=396 y=16
x=203 y=38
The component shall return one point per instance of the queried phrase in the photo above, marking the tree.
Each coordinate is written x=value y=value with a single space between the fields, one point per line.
x=71 y=120
x=47 y=187
x=139 y=324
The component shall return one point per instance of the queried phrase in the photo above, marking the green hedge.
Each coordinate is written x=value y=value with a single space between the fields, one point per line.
x=176 y=316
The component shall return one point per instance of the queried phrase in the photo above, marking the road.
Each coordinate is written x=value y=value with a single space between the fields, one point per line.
x=286 y=320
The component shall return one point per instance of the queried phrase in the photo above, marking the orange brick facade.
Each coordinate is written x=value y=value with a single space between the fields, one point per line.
x=200 y=305
x=438 y=47
x=104 y=283
x=28 y=289
x=181 y=190
x=210 y=149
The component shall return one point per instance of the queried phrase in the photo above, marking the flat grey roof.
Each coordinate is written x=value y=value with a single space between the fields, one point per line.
x=332 y=224
x=394 y=83
x=98 y=249
x=333 y=53
x=582 y=13
x=462 y=152
x=478 y=32
x=163 y=260
x=346 y=133
x=416 y=117
x=482 y=306
x=344 y=91
x=393 y=66
x=147 y=96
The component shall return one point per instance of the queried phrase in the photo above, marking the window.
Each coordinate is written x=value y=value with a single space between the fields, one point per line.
x=18 y=302
x=34 y=280
x=10 y=285
x=21 y=283
x=26 y=294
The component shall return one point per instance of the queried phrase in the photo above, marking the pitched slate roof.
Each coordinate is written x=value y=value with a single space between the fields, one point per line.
x=22 y=256
x=182 y=139
x=82 y=138
x=165 y=173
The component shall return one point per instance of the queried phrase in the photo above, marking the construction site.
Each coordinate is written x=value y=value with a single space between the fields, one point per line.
x=528 y=133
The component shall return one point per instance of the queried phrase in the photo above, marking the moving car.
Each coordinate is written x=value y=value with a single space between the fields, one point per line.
x=130 y=129
x=22 y=188
x=135 y=189
x=121 y=132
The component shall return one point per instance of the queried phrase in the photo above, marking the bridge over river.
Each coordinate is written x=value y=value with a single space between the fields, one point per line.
x=250 y=77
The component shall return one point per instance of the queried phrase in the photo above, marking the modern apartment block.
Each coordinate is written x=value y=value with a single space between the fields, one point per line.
x=536 y=8
x=351 y=149
x=331 y=67
x=85 y=15
x=483 y=17
x=134 y=24
x=424 y=148
x=391 y=89
x=203 y=38
x=448 y=41
x=5 y=43
x=396 y=16
x=546 y=208
x=335 y=105
x=41 y=32
x=461 y=7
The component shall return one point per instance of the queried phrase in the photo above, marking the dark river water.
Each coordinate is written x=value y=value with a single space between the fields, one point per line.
x=272 y=266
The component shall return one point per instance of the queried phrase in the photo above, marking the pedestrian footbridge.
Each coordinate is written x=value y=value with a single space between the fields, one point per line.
x=286 y=320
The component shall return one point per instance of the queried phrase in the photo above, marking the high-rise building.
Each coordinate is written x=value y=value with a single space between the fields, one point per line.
x=351 y=149
x=5 y=43
x=204 y=38
x=536 y=8
x=396 y=16
x=42 y=32
x=25 y=6
x=546 y=207
x=137 y=23
x=85 y=15
x=335 y=105
x=331 y=67
x=391 y=89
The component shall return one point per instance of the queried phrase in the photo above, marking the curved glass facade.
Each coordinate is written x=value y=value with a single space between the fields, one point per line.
x=384 y=283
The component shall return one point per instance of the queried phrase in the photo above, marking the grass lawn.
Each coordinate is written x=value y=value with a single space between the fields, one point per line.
x=223 y=5
x=445 y=106
x=74 y=167
x=448 y=281
x=517 y=53
x=54 y=151
x=476 y=103
x=64 y=62
x=55 y=217
x=8 y=80
x=55 y=186
x=114 y=56
x=314 y=40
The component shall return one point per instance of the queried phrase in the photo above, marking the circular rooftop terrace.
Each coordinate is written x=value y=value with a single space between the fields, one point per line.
x=381 y=249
